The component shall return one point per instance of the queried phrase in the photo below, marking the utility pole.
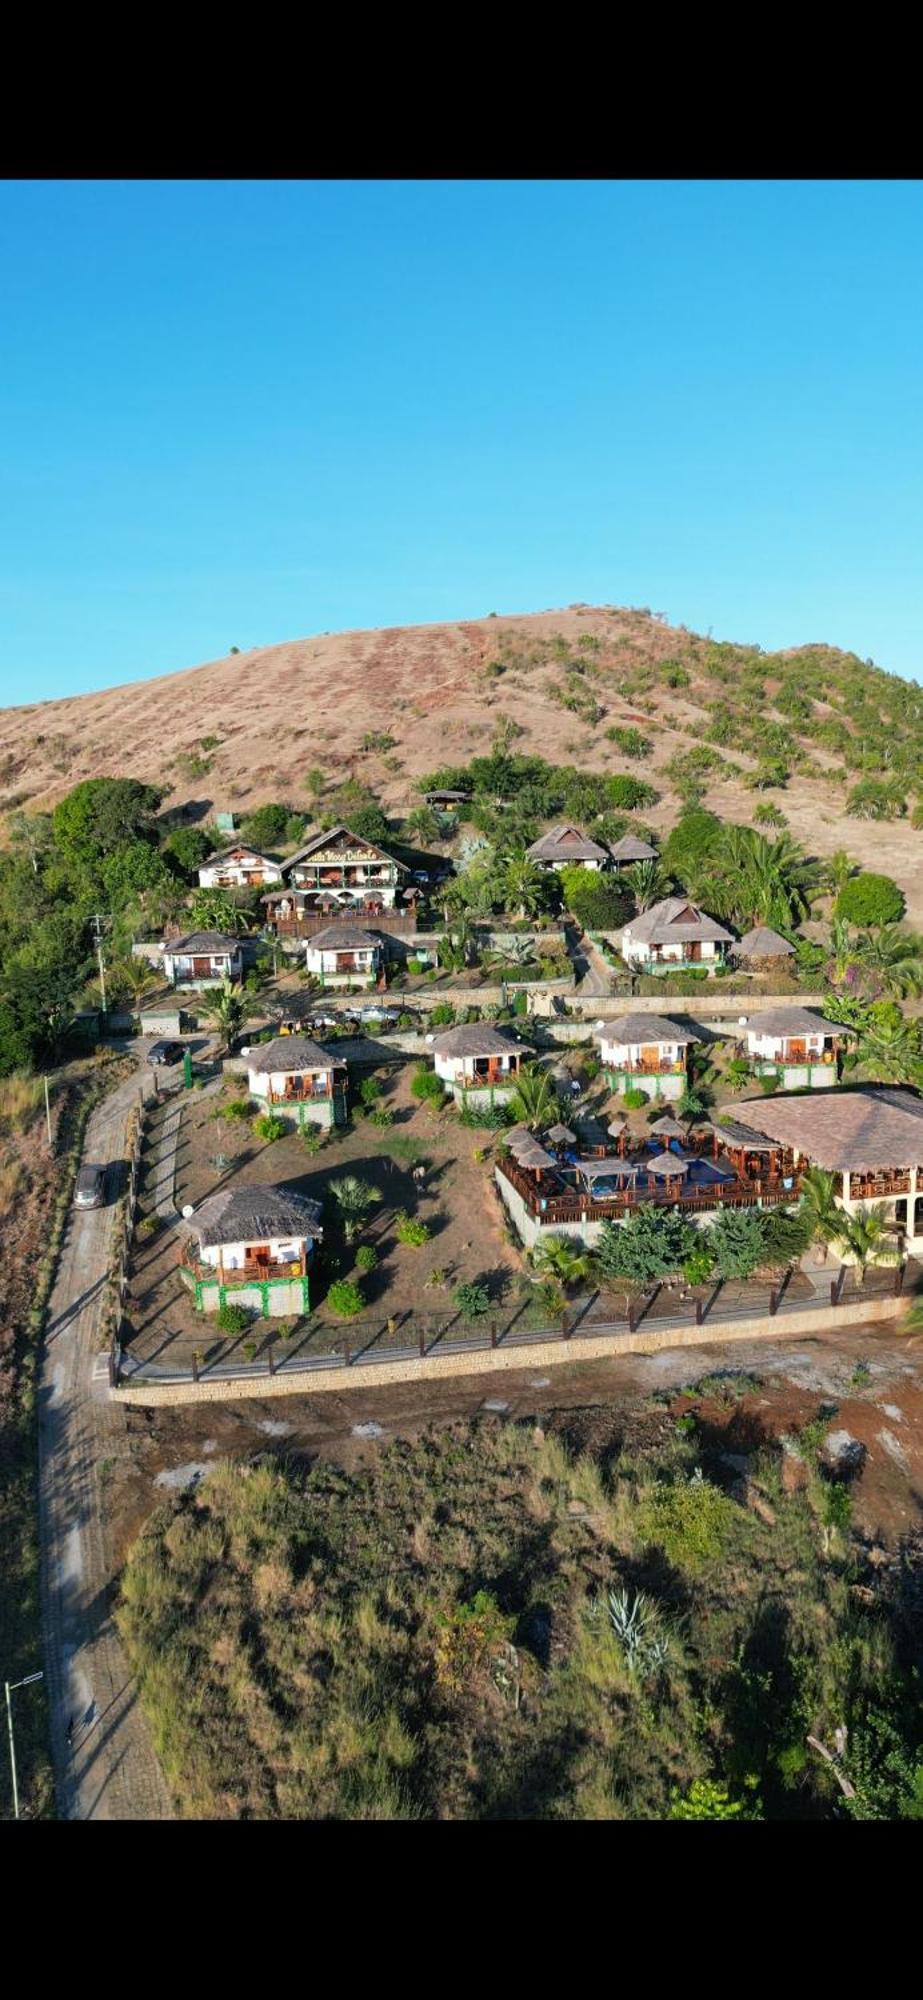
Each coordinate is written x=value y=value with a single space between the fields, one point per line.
x=11 y=1687
x=98 y=933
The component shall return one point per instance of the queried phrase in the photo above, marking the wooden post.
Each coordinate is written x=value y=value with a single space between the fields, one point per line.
x=493 y=1333
x=346 y=1353
x=773 y=1301
x=422 y=1344
x=565 y=1329
x=631 y=1316
x=698 y=1312
x=269 y=1358
x=195 y=1367
x=899 y=1280
x=834 y=1294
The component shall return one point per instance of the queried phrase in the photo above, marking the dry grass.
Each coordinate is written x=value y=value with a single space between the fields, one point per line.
x=429 y=1637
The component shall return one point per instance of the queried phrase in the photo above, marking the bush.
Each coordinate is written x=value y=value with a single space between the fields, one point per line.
x=634 y=1099
x=232 y=1319
x=344 y=1298
x=630 y=794
x=366 y=1258
x=737 y=1241
x=442 y=1015
x=427 y=1086
x=472 y=1300
x=769 y=1083
x=236 y=1107
x=698 y=1266
x=868 y=900
x=415 y=965
x=689 y=1521
x=695 y=838
x=874 y=798
x=630 y=741
x=409 y=1229
x=369 y=1090
x=593 y=900
x=270 y=1128
x=651 y=1243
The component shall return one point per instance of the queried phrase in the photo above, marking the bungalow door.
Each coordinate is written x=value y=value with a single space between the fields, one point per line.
x=694 y=951
x=797 y=1049
x=260 y=1256
x=650 y=1057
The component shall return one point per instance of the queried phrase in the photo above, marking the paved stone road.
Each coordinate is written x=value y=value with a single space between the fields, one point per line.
x=109 y=1771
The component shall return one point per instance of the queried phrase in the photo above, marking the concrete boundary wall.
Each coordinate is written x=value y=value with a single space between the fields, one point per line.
x=488 y=1362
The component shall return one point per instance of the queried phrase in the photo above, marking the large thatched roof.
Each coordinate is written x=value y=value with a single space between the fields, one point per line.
x=478 y=1040
x=291 y=1052
x=793 y=1021
x=630 y=848
x=211 y=944
x=635 y=1030
x=676 y=919
x=566 y=843
x=255 y=1214
x=845 y=1130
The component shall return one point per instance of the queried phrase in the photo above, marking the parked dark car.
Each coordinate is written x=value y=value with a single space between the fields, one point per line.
x=166 y=1052
x=90 y=1187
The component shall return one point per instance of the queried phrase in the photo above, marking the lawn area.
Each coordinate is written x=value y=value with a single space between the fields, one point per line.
x=456 y=1201
x=455 y=1631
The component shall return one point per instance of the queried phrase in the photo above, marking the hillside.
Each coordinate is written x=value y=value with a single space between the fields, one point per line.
x=250 y=727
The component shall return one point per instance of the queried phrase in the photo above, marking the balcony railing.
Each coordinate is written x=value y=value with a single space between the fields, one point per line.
x=551 y=1209
x=241 y=1274
x=482 y=1079
x=297 y=1093
x=870 y=1187
x=644 y=1068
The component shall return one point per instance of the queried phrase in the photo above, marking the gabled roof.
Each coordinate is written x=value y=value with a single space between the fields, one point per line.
x=478 y=1040
x=566 y=843
x=626 y=1030
x=291 y=1052
x=877 y=1125
x=342 y=937
x=233 y=853
x=243 y=1215
x=793 y=1021
x=215 y=943
x=320 y=842
x=761 y=943
x=676 y=917
x=630 y=848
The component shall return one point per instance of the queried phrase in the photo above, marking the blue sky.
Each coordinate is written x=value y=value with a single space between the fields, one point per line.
x=239 y=412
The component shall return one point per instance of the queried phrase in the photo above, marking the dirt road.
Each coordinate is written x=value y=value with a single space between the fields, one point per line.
x=105 y=1767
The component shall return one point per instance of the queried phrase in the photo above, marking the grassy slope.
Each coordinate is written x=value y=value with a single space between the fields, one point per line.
x=301 y=1652
x=279 y=711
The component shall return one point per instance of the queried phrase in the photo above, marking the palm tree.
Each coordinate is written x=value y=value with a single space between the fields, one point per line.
x=766 y=881
x=554 y=1257
x=534 y=1101
x=354 y=1198
x=227 y=1008
x=838 y=871
x=866 y=1235
x=525 y=885
x=648 y=882
x=890 y=1051
x=132 y=977
x=844 y=950
x=820 y=1205
x=423 y=824
x=894 y=958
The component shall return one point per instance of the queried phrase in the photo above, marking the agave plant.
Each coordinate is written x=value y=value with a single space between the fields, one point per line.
x=636 y=1622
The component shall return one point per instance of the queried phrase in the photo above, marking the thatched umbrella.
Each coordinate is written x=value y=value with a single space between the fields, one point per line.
x=561 y=1135
x=668 y=1127
x=667 y=1166
x=527 y=1151
x=617 y=1128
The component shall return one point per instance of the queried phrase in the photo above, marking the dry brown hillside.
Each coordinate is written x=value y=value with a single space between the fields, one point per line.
x=249 y=727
